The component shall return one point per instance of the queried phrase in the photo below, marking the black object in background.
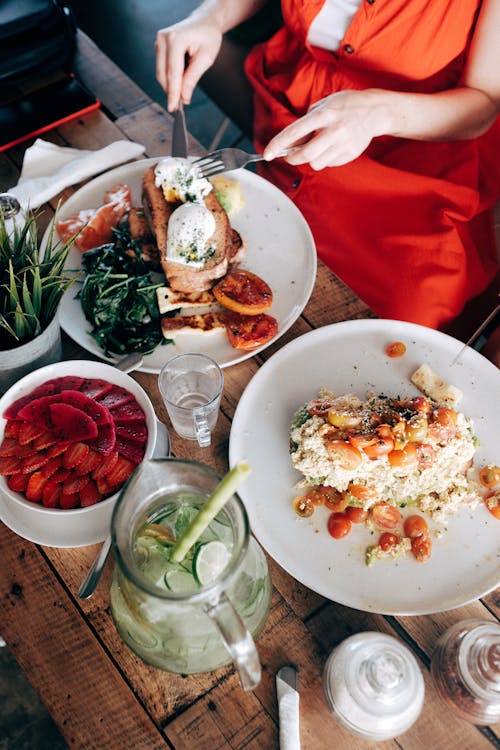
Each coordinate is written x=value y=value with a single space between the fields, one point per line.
x=44 y=109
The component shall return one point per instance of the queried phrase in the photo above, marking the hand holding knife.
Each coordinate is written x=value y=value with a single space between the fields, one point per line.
x=288 y=707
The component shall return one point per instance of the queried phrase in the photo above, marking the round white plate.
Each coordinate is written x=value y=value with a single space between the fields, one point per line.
x=280 y=249
x=350 y=357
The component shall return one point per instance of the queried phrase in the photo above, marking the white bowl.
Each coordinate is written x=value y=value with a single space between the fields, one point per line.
x=56 y=527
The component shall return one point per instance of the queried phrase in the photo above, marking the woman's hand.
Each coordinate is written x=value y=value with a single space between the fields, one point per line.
x=335 y=130
x=184 y=52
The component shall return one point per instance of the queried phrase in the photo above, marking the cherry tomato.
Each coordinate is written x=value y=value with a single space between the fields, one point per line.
x=318 y=407
x=337 y=419
x=356 y=515
x=362 y=440
x=415 y=526
x=244 y=292
x=362 y=491
x=338 y=525
x=489 y=476
x=334 y=500
x=426 y=455
x=315 y=496
x=386 y=516
x=388 y=540
x=346 y=455
x=395 y=349
x=248 y=332
x=443 y=426
x=421 y=547
x=416 y=428
x=420 y=404
x=384 y=443
x=303 y=507
x=407 y=456
x=492 y=501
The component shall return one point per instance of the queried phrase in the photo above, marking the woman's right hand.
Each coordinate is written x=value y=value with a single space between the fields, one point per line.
x=184 y=52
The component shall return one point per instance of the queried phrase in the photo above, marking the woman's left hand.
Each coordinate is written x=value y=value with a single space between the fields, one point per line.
x=335 y=130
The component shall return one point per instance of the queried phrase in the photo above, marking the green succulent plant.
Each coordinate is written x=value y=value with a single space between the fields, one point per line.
x=32 y=281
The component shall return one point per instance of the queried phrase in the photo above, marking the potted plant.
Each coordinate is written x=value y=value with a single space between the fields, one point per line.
x=32 y=283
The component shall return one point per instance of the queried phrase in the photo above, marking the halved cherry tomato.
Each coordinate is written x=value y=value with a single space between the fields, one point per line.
x=395 y=349
x=346 y=455
x=489 y=476
x=303 y=507
x=243 y=292
x=420 y=404
x=407 y=456
x=318 y=407
x=338 y=525
x=362 y=491
x=386 y=516
x=356 y=515
x=363 y=440
x=383 y=445
x=248 y=332
x=421 y=547
x=443 y=425
x=492 y=501
x=388 y=540
x=415 y=526
x=327 y=496
x=416 y=428
x=339 y=419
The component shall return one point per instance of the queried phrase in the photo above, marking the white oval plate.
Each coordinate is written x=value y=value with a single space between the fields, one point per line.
x=280 y=249
x=350 y=357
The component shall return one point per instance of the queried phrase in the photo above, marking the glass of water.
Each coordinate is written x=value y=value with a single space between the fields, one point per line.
x=191 y=386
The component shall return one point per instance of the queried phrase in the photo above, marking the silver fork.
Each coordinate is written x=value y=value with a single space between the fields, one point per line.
x=226 y=159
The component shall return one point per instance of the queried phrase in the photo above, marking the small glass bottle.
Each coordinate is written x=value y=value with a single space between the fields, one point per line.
x=373 y=685
x=466 y=670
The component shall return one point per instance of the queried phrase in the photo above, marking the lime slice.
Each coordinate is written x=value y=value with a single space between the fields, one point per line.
x=224 y=490
x=209 y=561
x=179 y=580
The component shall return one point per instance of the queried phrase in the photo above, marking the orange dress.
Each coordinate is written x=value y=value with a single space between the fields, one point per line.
x=407 y=225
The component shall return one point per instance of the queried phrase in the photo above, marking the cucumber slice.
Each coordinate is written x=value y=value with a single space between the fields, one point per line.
x=209 y=561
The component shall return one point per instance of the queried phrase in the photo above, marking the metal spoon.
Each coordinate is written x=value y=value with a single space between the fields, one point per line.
x=127 y=364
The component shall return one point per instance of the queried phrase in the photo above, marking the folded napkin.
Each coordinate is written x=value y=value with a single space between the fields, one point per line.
x=48 y=169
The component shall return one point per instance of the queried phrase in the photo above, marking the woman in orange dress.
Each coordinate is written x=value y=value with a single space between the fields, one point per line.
x=398 y=167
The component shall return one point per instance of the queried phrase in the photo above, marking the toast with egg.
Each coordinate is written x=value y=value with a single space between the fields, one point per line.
x=223 y=247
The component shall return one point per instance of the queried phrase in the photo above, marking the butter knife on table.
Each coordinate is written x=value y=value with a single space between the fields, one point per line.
x=179 y=133
x=288 y=707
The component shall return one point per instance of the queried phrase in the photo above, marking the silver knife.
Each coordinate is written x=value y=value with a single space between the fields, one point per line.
x=288 y=707
x=179 y=133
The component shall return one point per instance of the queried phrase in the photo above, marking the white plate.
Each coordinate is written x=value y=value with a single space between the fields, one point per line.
x=280 y=249
x=349 y=357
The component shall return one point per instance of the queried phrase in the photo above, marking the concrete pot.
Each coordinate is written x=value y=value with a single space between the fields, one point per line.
x=45 y=349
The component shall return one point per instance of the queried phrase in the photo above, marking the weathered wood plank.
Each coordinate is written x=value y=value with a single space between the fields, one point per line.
x=63 y=659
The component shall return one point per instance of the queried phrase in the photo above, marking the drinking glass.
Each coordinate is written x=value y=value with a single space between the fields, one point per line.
x=191 y=386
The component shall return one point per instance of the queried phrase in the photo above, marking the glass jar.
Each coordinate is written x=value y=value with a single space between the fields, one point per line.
x=466 y=670
x=373 y=685
x=166 y=617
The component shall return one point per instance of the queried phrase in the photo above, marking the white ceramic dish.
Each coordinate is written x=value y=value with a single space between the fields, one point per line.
x=350 y=357
x=54 y=527
x=280 y=249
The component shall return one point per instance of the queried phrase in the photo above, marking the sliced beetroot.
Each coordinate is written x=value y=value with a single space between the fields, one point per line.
x=95 y=387
x=116 y=397
x=130 y=449
x=135 y=429
x=105 y=440
x=94 y=409
x=71 y=424
x=12 y=411
x=66 y=383
x=129 y=412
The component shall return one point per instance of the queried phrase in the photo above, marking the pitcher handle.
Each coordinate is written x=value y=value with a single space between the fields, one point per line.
x=238 y=641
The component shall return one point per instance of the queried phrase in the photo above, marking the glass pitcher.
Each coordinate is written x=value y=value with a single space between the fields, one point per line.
x=194 y=616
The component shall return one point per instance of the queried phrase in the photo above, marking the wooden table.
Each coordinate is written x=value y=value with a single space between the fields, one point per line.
x=99 y=693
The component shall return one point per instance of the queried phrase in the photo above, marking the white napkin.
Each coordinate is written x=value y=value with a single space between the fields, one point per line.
x=48 y=169
x=288 y=710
